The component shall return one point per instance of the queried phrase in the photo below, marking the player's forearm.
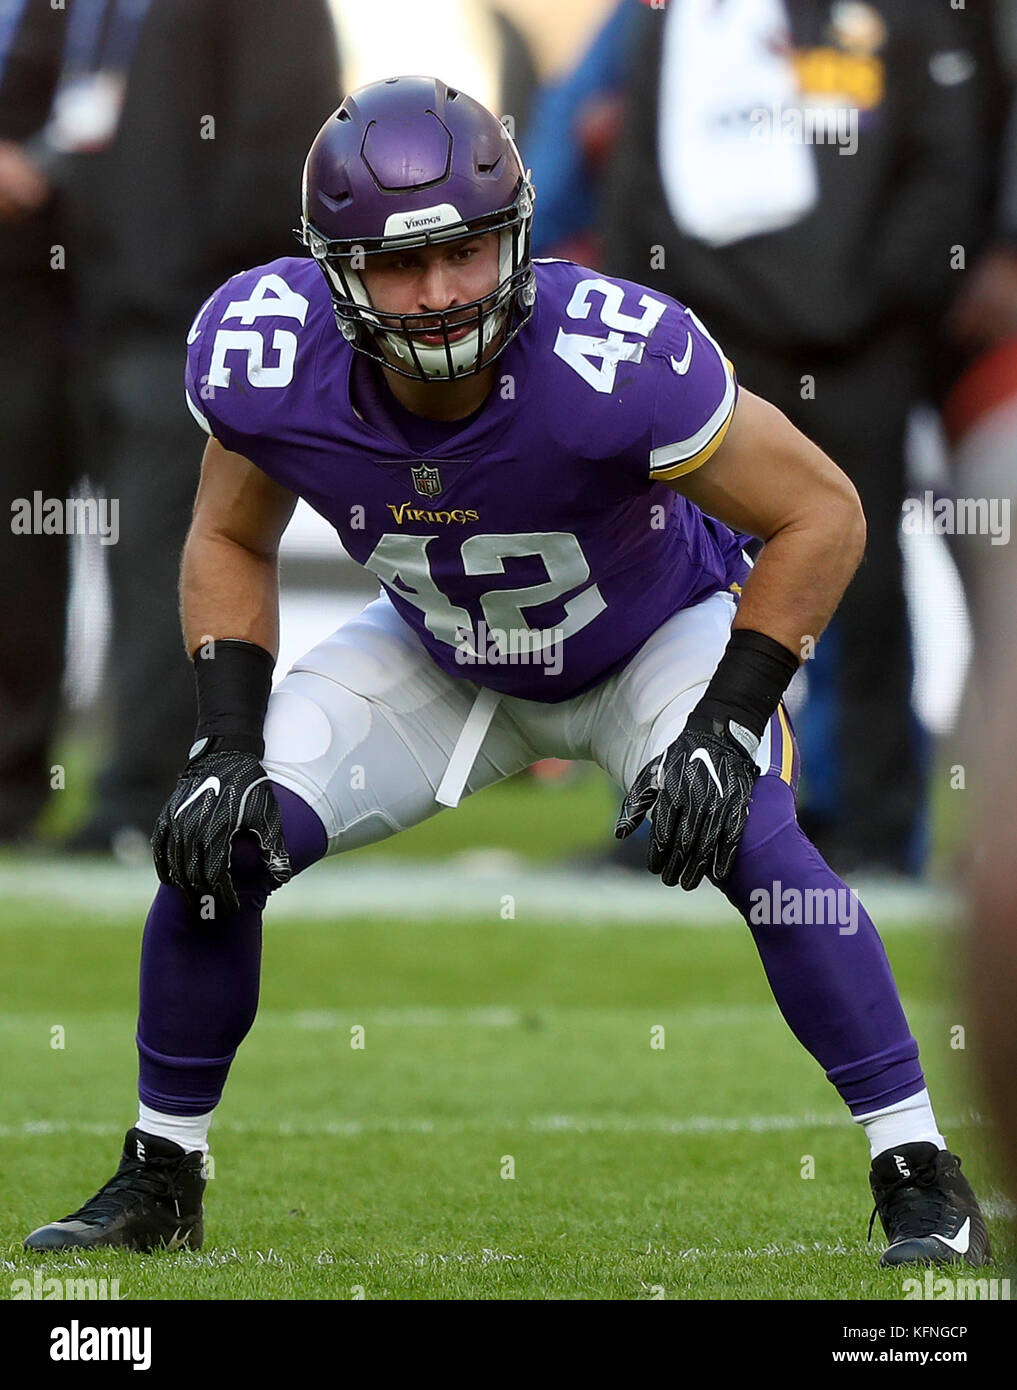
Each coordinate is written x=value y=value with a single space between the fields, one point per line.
x=227 y=590
x=800 y=577
x=769 y=480
x=787 y=600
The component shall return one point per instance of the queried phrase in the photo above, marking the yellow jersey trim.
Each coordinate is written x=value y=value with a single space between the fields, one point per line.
x=788 y=749
x=690 y=465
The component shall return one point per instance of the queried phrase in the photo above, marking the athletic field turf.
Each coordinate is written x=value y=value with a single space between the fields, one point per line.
x=565 y=1107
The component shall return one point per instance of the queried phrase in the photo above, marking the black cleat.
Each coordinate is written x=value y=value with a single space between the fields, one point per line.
x=153 y=1200
x=928 y=1211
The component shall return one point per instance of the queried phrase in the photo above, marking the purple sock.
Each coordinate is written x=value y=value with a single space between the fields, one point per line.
x=200 y=979
x=831 y=980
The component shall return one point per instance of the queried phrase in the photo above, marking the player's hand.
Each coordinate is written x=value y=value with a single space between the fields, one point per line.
x=697 y=794
x=221 y=791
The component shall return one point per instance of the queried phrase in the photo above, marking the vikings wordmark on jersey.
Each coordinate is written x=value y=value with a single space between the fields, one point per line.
x=545 y=523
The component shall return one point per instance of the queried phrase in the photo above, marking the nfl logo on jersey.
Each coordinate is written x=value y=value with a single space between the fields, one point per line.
x=426 y=480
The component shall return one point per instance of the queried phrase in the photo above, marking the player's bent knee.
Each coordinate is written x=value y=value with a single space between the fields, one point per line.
x=773 y=847
x=771 y=809
x=770 y=820
x=304 y=833
x=249 y=874
x=305 y=839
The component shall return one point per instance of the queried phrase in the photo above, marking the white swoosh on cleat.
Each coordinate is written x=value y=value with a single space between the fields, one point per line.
x=209 y=784
x=961 y=1240
x=702 y=754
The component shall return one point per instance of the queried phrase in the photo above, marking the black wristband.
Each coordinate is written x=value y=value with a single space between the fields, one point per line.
x=747 y=685
x=234 y=681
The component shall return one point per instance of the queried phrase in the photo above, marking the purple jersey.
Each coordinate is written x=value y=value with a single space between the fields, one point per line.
x=536 y=547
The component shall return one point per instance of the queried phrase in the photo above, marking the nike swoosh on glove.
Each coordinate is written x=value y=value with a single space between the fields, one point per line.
x=697 y=794
x=219 y=793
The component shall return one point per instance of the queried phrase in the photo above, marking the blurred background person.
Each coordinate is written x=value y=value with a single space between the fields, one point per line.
x=157 y=141
x=981 y=418
x=823 y=262
x=980 y=344
x=34 y=402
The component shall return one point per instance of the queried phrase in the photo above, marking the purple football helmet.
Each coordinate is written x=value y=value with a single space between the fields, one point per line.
x=405 y=163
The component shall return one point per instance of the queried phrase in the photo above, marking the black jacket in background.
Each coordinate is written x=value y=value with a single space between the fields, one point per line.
x=30 y=70
x=160 y=218
x=26 y=91
x=874 y=251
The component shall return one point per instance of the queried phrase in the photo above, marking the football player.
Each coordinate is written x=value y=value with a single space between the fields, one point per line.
x=553 y=474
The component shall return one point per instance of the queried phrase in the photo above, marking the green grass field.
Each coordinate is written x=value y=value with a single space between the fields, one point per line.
x=506 y=1132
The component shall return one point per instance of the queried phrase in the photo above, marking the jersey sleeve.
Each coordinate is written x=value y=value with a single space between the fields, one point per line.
x=242 y=350
x=196 y=392
x=694 y=402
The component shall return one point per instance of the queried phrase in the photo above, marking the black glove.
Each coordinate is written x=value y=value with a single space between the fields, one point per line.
x=221 y=791
x=698 y=793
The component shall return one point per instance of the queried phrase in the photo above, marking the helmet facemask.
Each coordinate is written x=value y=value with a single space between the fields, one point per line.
x=494 y=319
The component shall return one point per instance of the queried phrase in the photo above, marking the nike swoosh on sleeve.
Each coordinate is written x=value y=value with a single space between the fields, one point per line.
x=683 y=366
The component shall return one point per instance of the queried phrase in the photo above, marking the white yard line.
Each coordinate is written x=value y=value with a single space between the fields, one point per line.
x=121 y=895
x=471 y=1016
x=217 y=1259
x=535 y=1124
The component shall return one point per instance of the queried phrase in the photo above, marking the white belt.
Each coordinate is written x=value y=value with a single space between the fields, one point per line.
x=468 y=744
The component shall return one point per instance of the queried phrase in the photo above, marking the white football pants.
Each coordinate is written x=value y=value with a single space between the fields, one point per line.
x=371 y=733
